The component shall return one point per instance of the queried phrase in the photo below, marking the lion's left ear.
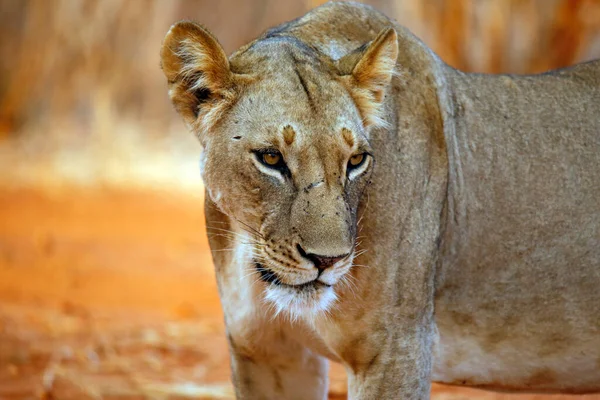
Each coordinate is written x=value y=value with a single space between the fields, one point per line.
x=368 y=71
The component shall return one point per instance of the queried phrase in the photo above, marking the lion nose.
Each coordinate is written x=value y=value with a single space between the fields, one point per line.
x=321 y=262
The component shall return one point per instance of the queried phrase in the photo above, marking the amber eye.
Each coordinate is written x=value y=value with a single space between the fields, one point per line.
x=356 y=160
x=271 y=158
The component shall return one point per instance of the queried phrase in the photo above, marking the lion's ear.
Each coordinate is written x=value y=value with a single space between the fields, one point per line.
x=369 y=71
x=197 y=70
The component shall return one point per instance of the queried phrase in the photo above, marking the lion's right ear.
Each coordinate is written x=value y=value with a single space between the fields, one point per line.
x=197 y=69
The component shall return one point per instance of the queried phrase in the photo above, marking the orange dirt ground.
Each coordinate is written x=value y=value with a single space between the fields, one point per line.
x=111 y=295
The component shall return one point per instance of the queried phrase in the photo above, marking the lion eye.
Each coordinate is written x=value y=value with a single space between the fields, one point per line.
x=357 y=165
x=356 y=160
x=271 y=159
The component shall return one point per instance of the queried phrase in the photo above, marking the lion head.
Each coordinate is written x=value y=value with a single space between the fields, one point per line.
x=286 y=154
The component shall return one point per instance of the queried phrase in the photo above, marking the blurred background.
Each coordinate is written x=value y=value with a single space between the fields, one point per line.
x=106 y=283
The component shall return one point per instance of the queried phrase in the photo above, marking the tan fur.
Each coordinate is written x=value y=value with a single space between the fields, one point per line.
x=465 y=249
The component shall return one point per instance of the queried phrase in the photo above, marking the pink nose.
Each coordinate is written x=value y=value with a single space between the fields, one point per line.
x=321 y=262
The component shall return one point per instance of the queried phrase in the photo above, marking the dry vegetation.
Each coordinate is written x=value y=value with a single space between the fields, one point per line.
x=110 y=294
x=83 y=100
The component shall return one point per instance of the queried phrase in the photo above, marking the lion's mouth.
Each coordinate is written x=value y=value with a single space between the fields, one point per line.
x=268 y=276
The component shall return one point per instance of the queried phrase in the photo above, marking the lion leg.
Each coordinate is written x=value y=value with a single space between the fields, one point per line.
x=395 y=366
x=274 y=366
x=267 y=362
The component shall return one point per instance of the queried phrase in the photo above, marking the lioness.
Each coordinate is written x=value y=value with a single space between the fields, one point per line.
x=368 y=204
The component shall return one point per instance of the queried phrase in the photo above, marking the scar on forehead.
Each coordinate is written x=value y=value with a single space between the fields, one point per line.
x=288 y=134
x=348 y=136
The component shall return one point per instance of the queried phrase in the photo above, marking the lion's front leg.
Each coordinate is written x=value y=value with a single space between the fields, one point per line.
x=396 y=365
x=266 y=361
x=277 y=368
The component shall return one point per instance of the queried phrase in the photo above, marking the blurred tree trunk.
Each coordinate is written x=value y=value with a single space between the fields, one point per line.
x=89 y=62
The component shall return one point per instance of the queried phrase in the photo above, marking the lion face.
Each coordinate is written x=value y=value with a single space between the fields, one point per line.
x=292 y=177
x=286 y=150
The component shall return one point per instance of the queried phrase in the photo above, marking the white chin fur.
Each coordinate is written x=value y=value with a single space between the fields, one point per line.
x=305 y=304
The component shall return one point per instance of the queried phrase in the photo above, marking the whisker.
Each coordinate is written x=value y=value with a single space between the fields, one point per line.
x=361 y=252
x=260 y=245
x=220 y=250
x=363 y=213
x=251 y=234
x=251 y=228
x=348 y=283
x=227 y=231
x=249 y=274
x=248 y=229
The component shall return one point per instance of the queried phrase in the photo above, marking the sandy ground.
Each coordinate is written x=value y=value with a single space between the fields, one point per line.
x=110 y=295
